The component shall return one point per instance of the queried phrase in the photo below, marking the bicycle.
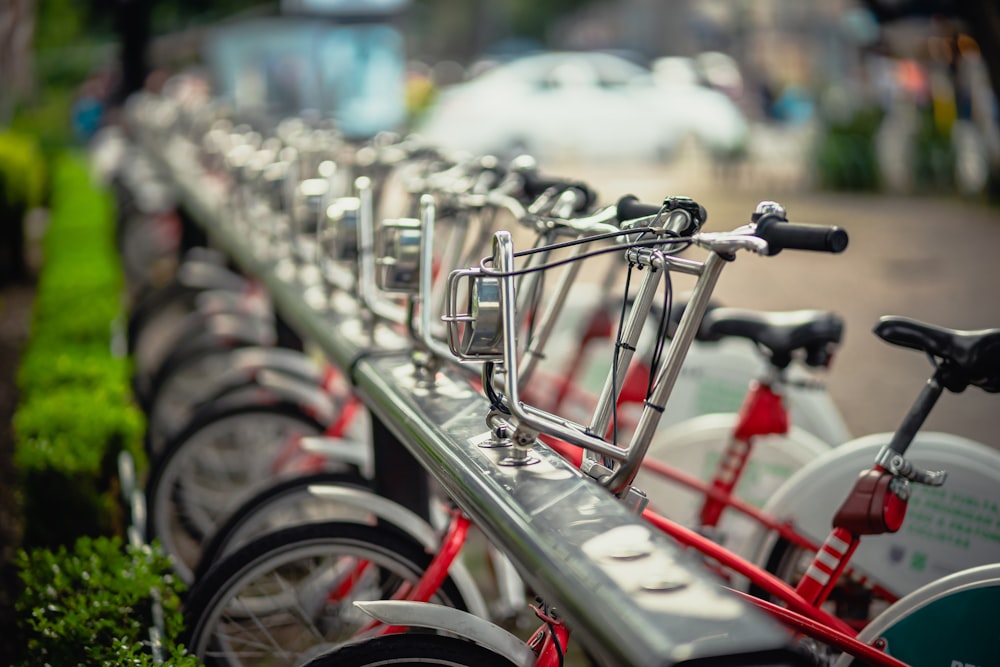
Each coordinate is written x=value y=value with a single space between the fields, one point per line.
x=958 y=352
x=202 y=474
x=232 y=583
x=971 y=463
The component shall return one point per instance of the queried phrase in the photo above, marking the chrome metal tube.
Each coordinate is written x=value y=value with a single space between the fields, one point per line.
x=367 y=290
x=630 y=338
x=668 y=372
x=424 y=293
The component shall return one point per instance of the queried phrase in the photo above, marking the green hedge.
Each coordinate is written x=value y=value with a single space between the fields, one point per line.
x=22 y=188
x=22 y=171
x=846 y=158
x=86 y=599
x=92 y=605
x=75 y=413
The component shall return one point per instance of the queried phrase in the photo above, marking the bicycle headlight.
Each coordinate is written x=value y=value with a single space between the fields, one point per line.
x=475 y=334
x=338 y=237
x=398 y=255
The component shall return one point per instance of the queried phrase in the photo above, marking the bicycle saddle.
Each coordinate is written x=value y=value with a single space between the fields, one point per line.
x=968 y=357
x=780 y=333
x=677 y=309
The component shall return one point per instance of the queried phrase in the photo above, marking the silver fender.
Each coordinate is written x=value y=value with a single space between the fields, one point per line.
x=413 y=526
x=347 y=450
x=947 y=529
x=454 y=621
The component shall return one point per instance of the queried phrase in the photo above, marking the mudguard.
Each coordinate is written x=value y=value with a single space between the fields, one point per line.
x=412 y=525
x=946 y=530
x=454 y=621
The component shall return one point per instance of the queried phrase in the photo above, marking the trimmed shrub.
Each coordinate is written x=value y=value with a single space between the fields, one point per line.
x=846 y=158
x=22 y=187
x=92 y=605
x=76 y=412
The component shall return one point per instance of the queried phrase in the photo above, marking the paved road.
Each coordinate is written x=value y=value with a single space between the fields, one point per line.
x=934 y=259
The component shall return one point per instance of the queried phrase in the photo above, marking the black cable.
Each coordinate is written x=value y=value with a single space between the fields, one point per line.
x=661 y=334
x=586 y=239
x=614 y=362
x=486 y=261
x=495 y=399
x=555 y=642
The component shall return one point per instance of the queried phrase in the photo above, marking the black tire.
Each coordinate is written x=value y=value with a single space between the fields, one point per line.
x=403 y=650
x=202 y=378
x=152 y=331
x=157 y=316
x=230 y=535
x=218 y=460
x=195 y=338
x=154 y=300
x=271 y=601
x=309 y=399
x=148 y=256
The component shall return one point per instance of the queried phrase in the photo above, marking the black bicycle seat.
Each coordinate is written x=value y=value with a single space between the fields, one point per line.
x=780 y=333
x=677 y=309
x=968 y=357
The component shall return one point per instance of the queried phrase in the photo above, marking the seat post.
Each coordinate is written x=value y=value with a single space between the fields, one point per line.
x=917 y=414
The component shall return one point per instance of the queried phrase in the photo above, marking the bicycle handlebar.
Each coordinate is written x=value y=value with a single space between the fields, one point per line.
x=781 y=234
x=676 y=216
x=771 y=227
x=535 y=185
x=630 y=208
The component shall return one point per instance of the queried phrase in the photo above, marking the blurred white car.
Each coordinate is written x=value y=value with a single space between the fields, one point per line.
x=581 y=105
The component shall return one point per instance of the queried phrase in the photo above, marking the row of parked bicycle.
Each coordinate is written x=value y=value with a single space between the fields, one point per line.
x=711 y=422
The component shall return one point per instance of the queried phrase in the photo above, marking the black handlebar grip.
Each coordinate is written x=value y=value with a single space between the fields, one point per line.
x=534 y=185
x=795 y=236
x=630 y=208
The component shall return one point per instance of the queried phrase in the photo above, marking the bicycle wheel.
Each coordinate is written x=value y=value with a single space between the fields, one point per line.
x=148 y=243
x=153 y=329
x=201 y=334
x=411 y=649
x=212 y=466
x=855 y=599
x=289 y=595
x=951 y=621
x=203 y=377
x=942 y=532
x=285 y=503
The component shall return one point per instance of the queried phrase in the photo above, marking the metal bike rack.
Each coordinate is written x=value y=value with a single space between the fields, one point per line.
x=630 y=594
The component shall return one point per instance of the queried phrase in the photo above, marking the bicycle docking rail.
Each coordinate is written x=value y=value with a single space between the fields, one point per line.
x=631 y=595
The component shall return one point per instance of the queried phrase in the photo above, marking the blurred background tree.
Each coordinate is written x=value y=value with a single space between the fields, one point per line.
x=51 y=49
x=981 y=18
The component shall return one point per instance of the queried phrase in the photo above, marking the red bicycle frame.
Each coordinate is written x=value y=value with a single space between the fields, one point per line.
x=550 y=640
